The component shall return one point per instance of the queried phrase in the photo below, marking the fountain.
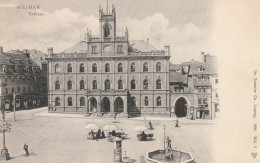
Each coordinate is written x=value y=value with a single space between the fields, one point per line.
x=159 y=156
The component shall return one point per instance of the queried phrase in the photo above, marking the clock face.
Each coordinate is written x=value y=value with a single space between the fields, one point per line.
x=107 y=49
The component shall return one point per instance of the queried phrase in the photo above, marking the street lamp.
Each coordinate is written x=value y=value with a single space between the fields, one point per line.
x=5 y=127
x=14 y=96
x=164 y=127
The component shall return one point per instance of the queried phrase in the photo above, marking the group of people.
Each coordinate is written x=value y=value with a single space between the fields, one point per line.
x=99 y=135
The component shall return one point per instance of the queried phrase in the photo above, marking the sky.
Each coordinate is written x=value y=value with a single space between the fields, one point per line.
x=185 y=25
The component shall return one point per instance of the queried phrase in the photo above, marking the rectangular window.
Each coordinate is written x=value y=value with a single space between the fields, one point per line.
x=146 y=103
x=29 y=89
x=216 y=81
x=6 y=79
x=119 y=49
x=6 y=90
x=199 y=78
x=200 y=101
x=12 y=89
x=18 y=89
x=205 y=101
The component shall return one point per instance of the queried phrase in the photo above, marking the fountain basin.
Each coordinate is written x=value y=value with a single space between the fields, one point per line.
x=158 y=156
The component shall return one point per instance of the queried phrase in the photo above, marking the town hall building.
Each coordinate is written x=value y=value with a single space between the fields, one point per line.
x=107 y=74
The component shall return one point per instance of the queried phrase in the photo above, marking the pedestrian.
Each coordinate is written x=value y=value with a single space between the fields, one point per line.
x=177 y=123
x=98 y=134
x=25 y=147
x=103 y=134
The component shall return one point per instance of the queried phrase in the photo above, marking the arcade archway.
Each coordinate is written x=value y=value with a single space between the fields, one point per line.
x=105 y=105
x=93 y=105
x=180 y=108
x=119 y=105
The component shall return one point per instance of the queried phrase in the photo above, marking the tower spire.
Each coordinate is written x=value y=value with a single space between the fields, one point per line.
x=107 y=12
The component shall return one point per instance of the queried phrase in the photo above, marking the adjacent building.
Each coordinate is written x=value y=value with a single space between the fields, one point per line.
x=194 y=88
x=107 y=74
x=23 y=77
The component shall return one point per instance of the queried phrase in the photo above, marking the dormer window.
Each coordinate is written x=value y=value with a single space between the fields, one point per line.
x=201 y=68
x=27 y=69
x=5 y=68
x=17 y=60
x=8 y=59
x=16 y=69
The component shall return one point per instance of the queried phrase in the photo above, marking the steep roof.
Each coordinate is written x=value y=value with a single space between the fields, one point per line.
x=177 y=77
x=141 y=46
x=81 y=47
x=14 y=59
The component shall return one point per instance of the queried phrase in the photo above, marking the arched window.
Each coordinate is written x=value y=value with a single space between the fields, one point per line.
x=120 y=67
x=158 y=67
x=145 y=84
x=132 y=67
x=132 y=84
x=146 y=101
x=94 y=84
x=69 y=84
x=145 y=67
x=81 y=68
x=57 y=85
x=107 y=84
x=57 y=68
x=120 y=84
x=82 y=84
x=82 y=101
x=106 y=31
x=57 y=101
x=69 y=101
x=158 y=84
x=107 y=67
x=159 y=101
x=69 y=68
x=94 y=67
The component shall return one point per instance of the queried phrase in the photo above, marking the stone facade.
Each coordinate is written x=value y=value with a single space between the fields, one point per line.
x=194 y=87
x=109 y=74
x=23 y=73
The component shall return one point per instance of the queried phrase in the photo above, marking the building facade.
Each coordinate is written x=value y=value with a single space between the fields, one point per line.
x=109 y=74
x=194 y=88
x=23 y=77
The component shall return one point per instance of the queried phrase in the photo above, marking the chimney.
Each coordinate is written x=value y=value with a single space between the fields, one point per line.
x=147 y=40
x=202 y=57
x=167 y=50
x=50 y=51
x=1 y=49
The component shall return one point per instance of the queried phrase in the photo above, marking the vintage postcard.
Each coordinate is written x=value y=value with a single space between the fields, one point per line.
x=130 y=81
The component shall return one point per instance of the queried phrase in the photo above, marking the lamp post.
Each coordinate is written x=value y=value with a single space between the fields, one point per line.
x=164 y=127
x=5 y=127
x=14 y=96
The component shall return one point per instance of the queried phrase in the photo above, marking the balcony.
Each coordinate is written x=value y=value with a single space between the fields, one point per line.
x=107 y=92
